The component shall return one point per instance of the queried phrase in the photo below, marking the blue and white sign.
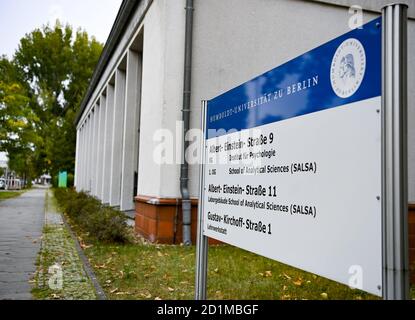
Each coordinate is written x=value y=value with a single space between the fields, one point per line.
x=293 y=162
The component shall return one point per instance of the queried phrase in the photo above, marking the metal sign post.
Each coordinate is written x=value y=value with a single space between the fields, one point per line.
x=202 y=240
x=394 y=153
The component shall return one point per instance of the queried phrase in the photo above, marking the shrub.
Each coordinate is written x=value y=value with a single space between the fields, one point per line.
x=71 y=180
x=107 y=225
x=60 y=195
x=55 y=181
x=100 y=222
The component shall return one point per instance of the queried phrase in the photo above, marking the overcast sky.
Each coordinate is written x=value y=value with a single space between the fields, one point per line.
x=18 y=17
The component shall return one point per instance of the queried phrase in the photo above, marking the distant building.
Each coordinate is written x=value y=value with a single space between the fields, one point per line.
x=45 y=179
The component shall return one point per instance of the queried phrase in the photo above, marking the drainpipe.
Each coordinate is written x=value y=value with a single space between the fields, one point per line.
x=184 y=169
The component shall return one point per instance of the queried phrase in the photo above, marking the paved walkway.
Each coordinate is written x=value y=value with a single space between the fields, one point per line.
x=21 y=223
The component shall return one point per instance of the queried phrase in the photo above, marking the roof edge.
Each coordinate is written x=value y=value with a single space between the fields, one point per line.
x=124 y=14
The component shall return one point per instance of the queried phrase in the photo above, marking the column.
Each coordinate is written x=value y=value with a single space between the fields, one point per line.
x=130 y=133
x=117 y=137
x=76 y=158
x=90 y=144
x=94 y=148
x=83 y=156
x=100 y=146
x=106 y=168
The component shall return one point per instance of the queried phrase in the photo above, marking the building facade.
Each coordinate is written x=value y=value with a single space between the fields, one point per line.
x=140 y=86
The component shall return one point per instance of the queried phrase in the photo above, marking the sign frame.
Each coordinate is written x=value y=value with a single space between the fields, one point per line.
x=395 y=253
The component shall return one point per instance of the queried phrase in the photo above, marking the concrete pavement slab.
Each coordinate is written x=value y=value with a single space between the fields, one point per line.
x=21 y=223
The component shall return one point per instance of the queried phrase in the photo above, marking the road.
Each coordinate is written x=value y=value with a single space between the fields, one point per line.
x=21 y=223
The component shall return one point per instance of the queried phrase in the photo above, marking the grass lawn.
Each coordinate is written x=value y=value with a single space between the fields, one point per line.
x=141 y=270
x=9 y=194
x=147 y=271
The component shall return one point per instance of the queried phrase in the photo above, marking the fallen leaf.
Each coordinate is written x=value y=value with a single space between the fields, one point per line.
x=216 y=270
x=298 y=282
x=146 y=296
x=113 y=291
x=268 y=274
x=170 y=289
x=84 y=246
x=286 y=276
x=157 y=298
x=159 y=254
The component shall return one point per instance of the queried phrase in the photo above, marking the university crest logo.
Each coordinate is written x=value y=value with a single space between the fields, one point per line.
x=348 y=68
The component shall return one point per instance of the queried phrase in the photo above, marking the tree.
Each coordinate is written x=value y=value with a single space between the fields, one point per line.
x=13 y=103
x=17 y=119
x=41 y=93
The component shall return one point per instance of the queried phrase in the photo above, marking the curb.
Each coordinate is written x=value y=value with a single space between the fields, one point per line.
x=87 y=266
